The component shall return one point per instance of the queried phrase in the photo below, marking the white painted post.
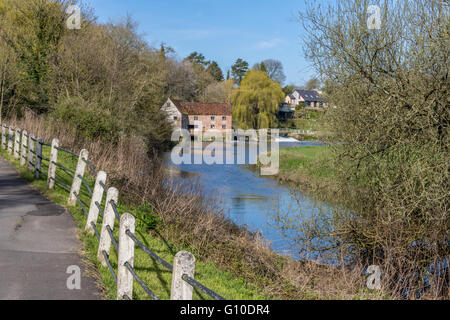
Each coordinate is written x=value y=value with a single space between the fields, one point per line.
x=38 y=168
x=30 y=152
x=17 y=144
x=4 y=140
x=10 y=140
x=79 y=172
x=52 y=166
x=184 y=263
x=24 y=146
x=97 y=196
x=108 y=220
x=126 y=254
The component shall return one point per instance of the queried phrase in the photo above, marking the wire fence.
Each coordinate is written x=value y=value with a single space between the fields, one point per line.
x=29 y=150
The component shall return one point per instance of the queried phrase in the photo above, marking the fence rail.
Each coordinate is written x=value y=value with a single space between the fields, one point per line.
x=29 y=150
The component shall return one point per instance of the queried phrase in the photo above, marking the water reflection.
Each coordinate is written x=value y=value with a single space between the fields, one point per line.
x=252 y=200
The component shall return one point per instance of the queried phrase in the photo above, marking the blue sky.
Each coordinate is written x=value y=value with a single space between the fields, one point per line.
x=223 y=30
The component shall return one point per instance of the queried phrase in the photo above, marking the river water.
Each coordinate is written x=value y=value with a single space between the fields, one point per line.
x=252 y=200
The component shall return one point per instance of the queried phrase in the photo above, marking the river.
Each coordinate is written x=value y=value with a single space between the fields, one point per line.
x=252 y=200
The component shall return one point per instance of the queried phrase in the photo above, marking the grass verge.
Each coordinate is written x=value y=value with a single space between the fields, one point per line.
x=157 y=278
x=309 y=169
x=308 y=160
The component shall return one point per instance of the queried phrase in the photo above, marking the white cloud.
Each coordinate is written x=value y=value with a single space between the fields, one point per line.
x=270 y=43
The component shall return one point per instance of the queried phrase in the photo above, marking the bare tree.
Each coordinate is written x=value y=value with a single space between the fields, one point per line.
x=389 y=132
x=219 y=92
x=273 y=68
x=312 y=84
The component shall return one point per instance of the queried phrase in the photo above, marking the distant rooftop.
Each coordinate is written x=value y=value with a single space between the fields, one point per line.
x=309 y=95
x=202 y=108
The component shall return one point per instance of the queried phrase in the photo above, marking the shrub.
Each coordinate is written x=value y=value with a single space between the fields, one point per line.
x=90 y=120
x=145 y=218
x=390 y=135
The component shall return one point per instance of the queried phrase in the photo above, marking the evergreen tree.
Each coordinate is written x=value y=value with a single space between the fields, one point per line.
x=238 y=70
x=197 y=58
x=263 y=67
x=215 y=71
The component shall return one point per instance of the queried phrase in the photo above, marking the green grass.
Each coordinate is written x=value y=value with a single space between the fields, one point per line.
x=306 y=124
x=310 y=120
x=308 y=160
x=157 y=278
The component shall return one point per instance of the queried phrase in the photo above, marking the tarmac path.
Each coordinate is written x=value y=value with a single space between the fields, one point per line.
x=38 y=246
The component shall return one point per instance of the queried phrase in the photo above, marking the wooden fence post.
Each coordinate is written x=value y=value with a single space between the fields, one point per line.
x=126 y=254
x=17 y=144
x=52 y=164
x=79 y=172
x=24 y=146
x=10 y=140
x=38 y=168
x=30 y=152
x=108 y=220
x=184 y=263
x=97 y=196
x=4 y=140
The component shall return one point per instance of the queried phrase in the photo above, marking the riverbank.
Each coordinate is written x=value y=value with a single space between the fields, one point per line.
x=231 y=260
x=151 y=273
x=309 y=169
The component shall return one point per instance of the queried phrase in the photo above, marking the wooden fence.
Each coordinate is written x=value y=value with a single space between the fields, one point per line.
x=29 y=151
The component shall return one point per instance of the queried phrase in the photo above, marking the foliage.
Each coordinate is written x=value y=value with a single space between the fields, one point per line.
x=145 y=218
x=153 y=274
x=88 y=119
x=390 y=133
x=197 y=58
x=206 y=73
x=114 y=81
x=288 y=89
x=256 y=102
x=238 y=70
x=219 y=92
x=300 y=107
x=32 y=31
x=215 y=71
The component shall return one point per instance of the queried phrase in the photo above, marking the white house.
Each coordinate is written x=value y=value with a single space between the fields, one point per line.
x=309 y=98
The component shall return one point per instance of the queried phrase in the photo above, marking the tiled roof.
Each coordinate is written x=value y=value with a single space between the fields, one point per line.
x=310 y=95
x=202 y=109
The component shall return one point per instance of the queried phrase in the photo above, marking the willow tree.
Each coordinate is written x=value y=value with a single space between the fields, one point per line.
x=256 y=102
